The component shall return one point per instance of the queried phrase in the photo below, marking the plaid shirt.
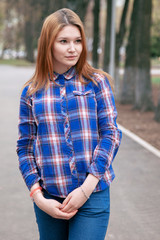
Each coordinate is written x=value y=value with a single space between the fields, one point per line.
x=66 y=132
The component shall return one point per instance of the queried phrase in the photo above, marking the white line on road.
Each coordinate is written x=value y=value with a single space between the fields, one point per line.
x=139 y=140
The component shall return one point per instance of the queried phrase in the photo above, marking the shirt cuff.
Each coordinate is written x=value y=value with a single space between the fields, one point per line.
x=94 y=171
x=31 y=180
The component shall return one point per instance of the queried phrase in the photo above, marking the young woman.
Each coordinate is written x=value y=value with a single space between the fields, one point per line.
x=68 y=136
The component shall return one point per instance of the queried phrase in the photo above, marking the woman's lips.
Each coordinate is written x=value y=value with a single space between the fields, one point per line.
x=71 y=57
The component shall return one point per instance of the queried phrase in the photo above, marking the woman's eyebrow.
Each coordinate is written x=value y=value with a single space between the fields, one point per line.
x=78 y=37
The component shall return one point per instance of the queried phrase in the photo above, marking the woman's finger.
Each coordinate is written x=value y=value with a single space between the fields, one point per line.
x=68 y=209
x=65 y=202
x=65 y=215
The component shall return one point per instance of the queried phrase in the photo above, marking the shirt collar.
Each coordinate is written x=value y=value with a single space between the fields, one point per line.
x=67 y=75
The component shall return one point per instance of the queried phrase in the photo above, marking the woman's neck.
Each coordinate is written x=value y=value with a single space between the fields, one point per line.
x=61 y=70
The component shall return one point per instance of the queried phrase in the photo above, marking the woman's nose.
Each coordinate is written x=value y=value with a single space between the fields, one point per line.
x=71 y=47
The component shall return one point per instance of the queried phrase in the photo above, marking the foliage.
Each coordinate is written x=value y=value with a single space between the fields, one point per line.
x=155 y=46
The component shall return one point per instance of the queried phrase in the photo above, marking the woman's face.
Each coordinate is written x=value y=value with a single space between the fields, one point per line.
x=67 y=48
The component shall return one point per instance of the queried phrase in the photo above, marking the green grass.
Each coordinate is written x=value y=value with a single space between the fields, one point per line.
x=156 y=80
x=16 y=62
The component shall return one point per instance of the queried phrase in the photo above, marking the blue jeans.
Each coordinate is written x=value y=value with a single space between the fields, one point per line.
x=90 y=222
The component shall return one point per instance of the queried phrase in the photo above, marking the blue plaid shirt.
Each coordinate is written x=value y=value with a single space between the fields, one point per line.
x=67 y=132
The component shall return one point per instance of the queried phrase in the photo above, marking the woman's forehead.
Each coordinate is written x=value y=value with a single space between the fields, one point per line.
x=69 y=31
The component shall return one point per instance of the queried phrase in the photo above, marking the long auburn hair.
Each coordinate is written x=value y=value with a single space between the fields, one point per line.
x=44 y=63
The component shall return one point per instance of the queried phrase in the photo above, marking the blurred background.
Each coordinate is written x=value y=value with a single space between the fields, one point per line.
x=123 y=38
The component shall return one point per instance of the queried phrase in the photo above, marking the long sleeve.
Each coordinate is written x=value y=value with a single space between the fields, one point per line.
x=109 y=134
x=25 y=144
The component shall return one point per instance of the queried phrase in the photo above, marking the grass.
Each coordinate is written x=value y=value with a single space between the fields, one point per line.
x=156 y=80
x=16 y=62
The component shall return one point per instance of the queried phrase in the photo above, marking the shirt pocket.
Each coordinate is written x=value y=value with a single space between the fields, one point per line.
x=88 y=93
x=85 y=101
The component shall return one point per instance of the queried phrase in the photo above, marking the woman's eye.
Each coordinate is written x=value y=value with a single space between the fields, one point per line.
x=63 y=41
x=78 y=40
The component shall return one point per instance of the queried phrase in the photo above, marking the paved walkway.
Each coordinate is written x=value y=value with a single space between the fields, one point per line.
x=135 y=193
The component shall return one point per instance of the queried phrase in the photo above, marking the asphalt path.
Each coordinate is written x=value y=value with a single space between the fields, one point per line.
x=135 y=192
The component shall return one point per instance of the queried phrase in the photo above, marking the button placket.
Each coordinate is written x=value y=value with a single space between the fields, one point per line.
x=67 y=131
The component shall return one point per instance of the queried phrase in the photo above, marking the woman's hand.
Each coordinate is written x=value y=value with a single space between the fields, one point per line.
x=78 y=197
x=52 y=207
x=74 y=201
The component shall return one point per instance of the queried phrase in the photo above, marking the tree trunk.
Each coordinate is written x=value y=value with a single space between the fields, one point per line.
x=29 y=41
x=136 y=81
x=119 y=41
x=107 y=37
x=96 y=33
x=127 y=94
x=157 y=111
x=80 y=7
x=143 y=92
x=29 y=30
x=122 y=31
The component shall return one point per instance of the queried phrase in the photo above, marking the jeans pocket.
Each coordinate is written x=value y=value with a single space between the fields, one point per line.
x=98 y=203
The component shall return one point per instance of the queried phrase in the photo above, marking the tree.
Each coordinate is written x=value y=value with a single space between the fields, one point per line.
x=122 y=31
x=80 y=7
x=96 y=11
x=157 y=111
x=155 y=46
x=127 y=94
x=119 y=42
x=155 y=30
x=29 y=16
x=143 y=92
x=29 y=30
x=43 y=9
x=107 y=37
x=136 y=81
x=12 y=25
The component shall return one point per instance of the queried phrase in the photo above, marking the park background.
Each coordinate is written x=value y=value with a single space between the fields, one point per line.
x=136 y=79
x=136 y=71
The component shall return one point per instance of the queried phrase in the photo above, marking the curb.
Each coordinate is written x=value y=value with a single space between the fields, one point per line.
x=139 y=140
